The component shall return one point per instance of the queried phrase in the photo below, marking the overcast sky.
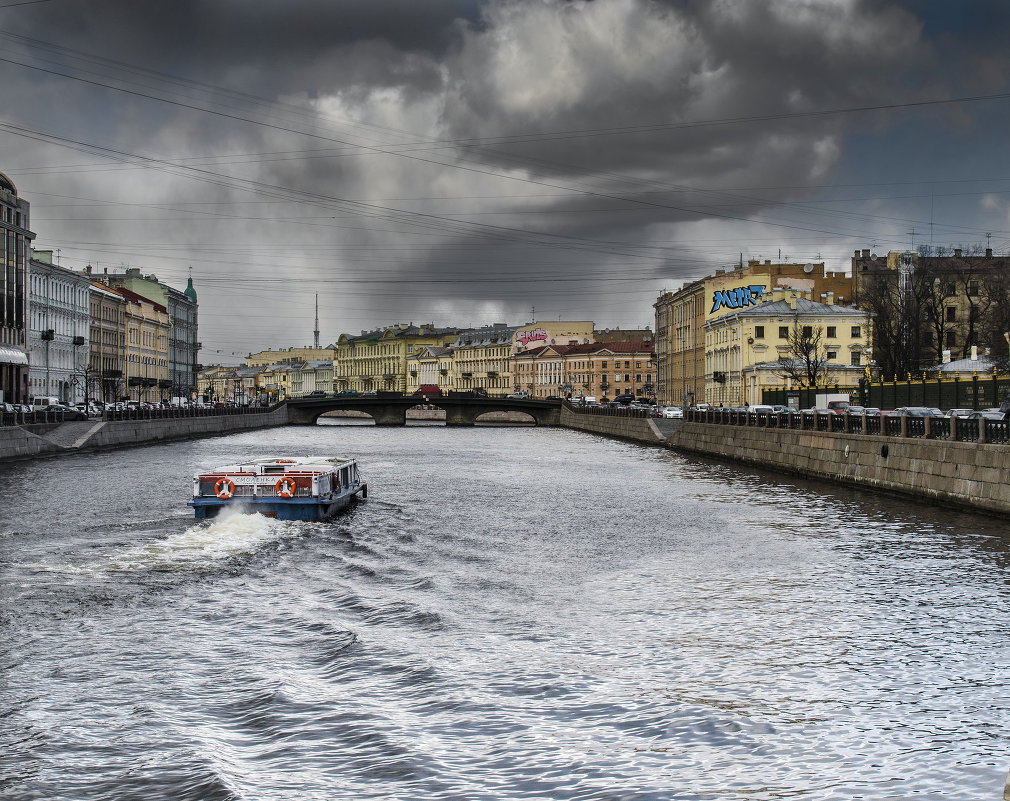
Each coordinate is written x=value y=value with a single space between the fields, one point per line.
x=464 y=162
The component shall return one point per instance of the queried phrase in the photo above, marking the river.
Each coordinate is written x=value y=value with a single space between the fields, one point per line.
x=513 y=613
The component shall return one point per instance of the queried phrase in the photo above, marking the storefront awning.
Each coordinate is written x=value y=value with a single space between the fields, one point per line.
x=12 y=355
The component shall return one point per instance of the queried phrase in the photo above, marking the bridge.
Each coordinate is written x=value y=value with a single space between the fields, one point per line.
x=391 y=410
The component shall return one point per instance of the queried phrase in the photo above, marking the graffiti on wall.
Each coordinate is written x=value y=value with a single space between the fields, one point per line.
x=737 y=298
x=535 y=335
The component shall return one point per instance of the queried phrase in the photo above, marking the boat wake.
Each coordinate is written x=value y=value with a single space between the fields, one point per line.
x=227 y=536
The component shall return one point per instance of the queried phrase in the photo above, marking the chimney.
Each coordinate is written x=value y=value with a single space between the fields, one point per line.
x=768 y=261
x=792 y=301
x=957 y=253
x=988 y=253
x=855 y=254
x=866 y=253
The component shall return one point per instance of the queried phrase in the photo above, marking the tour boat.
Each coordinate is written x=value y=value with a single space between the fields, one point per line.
x=297 y=488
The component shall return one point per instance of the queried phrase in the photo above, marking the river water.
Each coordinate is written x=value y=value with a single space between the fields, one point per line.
x=513 y=613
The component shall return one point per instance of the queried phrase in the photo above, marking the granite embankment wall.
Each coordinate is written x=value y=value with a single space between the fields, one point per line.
x=966 y=474
x=26 y=442
x=647 y=430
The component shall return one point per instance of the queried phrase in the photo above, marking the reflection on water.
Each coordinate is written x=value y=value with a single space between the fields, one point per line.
x=512 y=613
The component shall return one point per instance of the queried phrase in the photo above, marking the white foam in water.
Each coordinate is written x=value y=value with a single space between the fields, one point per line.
x=228 y=535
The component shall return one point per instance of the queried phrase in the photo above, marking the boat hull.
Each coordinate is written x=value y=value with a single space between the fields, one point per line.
x=279 y=508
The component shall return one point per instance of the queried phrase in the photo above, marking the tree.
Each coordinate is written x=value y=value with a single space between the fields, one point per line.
x=806 y=362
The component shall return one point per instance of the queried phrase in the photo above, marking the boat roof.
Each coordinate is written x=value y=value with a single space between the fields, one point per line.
x=274 y=464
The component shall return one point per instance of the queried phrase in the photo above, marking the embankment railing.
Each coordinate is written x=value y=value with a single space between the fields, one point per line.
x=958 y=429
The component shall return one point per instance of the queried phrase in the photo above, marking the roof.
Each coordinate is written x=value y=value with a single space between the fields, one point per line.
x=982 y=364
x=396 y=331
x=498 y=334
x=783 y=308
x=133 y=296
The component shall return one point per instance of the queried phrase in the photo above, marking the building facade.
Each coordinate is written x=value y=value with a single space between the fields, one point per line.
x=107 y=344
x=183 y=335
x=59 y=322
x=432 y=366
x=764 y=347
x=681 y=316
x=14 y=254
x=606 y=370
x=481 y=359
x=539 y=334
x=376 y=361
x=147 y=329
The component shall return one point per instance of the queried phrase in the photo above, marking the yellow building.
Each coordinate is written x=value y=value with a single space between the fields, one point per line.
x=681 y=316
x=147 y=329
x=289 y=355
x=432 y=367
x=377 y=360
x=481 y=359
x=745 y=349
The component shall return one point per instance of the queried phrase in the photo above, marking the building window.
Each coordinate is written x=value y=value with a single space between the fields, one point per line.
x=783 y=332
x=854 y=358
x=951 y=314
x=950 y=340
x=831 y=332
x=856 y=332
x=832 y=355
x=973 y=287
x=759 y=332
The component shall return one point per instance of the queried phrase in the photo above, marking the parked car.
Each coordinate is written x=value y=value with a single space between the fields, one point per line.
x=988 y=414
x=838 y=406
x=625 y=398
x=959 y=412
x=518 y=395
x=427 y=390
x=316 y=393
x=918 y=411
x=673 y=412
x=67 y=412
x=348 y=393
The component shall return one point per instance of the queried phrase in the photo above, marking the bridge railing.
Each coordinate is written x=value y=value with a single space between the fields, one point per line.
x=608 y=411
x=958 y=429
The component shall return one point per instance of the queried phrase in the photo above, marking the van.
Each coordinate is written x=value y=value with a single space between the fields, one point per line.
x=43 y=402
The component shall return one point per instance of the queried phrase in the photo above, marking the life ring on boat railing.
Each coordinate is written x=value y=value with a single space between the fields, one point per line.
x=224 y=488
x=285 y=487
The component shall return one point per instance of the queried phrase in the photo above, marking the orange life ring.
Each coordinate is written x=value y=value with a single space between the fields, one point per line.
x=285 y=487
x=224 y=488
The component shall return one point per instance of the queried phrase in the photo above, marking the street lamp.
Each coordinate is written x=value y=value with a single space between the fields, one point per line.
x=47 y=336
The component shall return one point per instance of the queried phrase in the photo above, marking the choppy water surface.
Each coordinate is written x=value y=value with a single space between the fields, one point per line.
x=512 y=614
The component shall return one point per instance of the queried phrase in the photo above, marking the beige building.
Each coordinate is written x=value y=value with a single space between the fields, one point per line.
x=539 y=371
x=744 y=349
x=481 y=359
x=147 y=329
x=377 y=360
x=107 y=343
x=289 y=355
x=433 y=366
x=681 y=316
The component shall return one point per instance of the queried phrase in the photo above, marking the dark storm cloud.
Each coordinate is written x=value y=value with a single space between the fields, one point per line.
x=464 y=150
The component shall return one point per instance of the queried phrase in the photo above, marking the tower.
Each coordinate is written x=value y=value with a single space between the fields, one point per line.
x=315 y=340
